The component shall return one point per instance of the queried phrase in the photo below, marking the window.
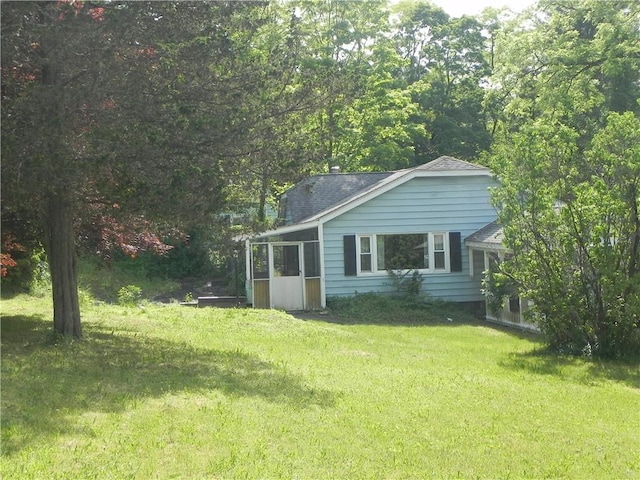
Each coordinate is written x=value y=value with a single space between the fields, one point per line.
x=260 y=260
x=477 y=263
x=514 y=303
x=428 y=252
x=403 y=252
x=365 y=256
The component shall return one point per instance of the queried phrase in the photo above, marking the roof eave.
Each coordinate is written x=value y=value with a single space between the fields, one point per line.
x=296 y=227
x=486 y=246
x=480 y=172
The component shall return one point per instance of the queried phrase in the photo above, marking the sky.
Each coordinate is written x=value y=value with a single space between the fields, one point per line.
x=457 y=8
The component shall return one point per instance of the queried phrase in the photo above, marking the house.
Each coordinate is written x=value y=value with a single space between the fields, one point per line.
x=340 y=233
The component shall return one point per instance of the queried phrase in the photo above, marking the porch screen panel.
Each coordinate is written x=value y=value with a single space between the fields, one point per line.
x=260 y=260
x=311 y=259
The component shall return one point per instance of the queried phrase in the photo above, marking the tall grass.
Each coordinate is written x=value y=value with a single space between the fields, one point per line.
x=175 y=392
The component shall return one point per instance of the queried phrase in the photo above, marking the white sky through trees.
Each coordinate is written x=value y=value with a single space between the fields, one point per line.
x=457 y=8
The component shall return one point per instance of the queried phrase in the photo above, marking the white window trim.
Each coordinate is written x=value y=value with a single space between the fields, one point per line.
x=431 y=242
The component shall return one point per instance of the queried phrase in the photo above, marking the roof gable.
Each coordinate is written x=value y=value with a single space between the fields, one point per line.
x=322 y=197
x=320 y=192
x=441 y=167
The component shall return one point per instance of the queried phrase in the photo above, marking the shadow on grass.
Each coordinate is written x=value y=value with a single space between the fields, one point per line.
x=16 y=327
x=389 y=311
x=9 y=293
x=46 y=384
x=582 y=370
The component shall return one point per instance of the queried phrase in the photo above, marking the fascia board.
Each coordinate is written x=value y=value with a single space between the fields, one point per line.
x=454 y=173
x=486 y=246
x=286 y=229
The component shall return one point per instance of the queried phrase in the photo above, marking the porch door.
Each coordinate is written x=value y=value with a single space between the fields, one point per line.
x=287 y=279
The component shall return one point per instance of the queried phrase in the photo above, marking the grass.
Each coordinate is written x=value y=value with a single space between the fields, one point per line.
x=175 y=392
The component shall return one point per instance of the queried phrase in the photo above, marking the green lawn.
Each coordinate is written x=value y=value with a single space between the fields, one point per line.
x=177 y=392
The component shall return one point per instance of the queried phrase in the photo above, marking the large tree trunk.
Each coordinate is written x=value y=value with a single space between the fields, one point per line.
x=58 y=223
x=62 y=263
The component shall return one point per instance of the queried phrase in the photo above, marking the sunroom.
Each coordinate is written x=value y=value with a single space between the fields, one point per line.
x=285 y=270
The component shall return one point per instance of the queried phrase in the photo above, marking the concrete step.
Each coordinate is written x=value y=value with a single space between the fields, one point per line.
x=221 y=301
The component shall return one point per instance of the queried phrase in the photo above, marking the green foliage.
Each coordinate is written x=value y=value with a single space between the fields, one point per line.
x=575 y=62
x=569 y=161
x=408 y=282
x=129 y=296
x=444 y=71
x=381 y=127
x=187 y=259
x=572 y=223
x=496 y=287
x=40 y=283
x=31 y=273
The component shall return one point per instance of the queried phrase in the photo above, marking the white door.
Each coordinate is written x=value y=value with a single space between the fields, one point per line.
x=287 y=279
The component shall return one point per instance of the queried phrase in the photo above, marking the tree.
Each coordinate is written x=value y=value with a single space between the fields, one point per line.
x=126 y=104
x=572 y=61
x=338 y=39
x=295 y=87
x=571 y=220
x=445 y=72
x=414 y=30
x=380 y=128
x=566 y=152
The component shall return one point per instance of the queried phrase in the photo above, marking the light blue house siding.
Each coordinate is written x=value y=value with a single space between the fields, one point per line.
x=420 y=205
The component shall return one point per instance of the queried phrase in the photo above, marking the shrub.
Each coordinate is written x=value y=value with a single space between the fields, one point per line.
x=408 y=282
x=30 y=273
x=384 y=309
x=129 y=295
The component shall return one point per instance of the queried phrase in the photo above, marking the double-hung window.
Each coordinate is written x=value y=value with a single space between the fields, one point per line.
x=365 y=254
x=439 y=251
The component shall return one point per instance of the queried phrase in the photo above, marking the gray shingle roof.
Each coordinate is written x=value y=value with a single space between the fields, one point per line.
x=320 y=192
x=490 y=235
x=449 y=163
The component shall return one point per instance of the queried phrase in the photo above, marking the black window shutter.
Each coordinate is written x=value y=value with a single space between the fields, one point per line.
x=349 y=255
x=455 y=251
